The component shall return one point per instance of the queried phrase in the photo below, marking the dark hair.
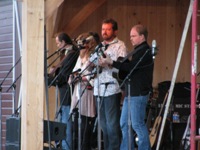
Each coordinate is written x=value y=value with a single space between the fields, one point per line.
x=113 y=22
x=96 y=37
x=64 y=37
x=92 y=43
x=142 y=30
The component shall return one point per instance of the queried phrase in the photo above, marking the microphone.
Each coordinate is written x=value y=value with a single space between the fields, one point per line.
x=88 y=39
x=101 y=53
x=76 y=71
x=58 y=50
x=62 y=48
x=69 y=48
x=114 y=41
x=107 y=83
x=154 y=49
x=102 y=47
x=98 y=46
x=80 y=43
x=80 y=47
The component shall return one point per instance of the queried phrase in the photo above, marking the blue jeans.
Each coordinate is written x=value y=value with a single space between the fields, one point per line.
x=110 y=121
x=66 y=144
x=137 y=112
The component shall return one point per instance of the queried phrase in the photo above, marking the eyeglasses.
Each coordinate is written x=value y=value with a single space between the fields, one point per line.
x=134 y=36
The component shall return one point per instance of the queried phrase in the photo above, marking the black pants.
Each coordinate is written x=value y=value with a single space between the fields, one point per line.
x=88 y=137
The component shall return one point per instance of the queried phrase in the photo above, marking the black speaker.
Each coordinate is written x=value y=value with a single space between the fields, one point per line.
x=13 y=133
x=57 y=131
x=178 y=131
x=172 y=136
x=12 y=147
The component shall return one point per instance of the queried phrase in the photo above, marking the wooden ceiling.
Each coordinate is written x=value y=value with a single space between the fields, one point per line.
x=61 y=8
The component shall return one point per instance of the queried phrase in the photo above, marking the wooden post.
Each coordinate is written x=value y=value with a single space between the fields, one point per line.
x=32 y=75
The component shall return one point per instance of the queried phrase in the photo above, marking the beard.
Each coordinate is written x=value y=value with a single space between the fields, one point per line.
x=108 y=38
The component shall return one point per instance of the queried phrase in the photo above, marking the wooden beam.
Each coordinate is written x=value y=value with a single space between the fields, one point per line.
x=86 y=11
x=32 y=75
x=51 y=6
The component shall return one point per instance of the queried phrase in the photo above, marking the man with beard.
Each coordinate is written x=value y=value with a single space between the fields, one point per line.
x=106 y=87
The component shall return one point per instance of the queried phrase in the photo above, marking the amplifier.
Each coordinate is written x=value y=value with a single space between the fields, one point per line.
x=57 y=131
x=13 y=132
x=179 y=105
x=10 y=146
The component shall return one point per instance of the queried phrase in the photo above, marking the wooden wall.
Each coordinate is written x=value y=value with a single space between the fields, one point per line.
x=164 y=20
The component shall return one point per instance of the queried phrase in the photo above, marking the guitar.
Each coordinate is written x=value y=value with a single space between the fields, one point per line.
x=156 y=126
x=121 y=75
x=53 y=71
x=118 y=74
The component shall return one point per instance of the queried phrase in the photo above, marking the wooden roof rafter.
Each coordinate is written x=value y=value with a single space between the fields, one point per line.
x=79 y=18
x=51 y=6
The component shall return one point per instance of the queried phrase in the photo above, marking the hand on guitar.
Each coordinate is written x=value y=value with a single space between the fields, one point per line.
x=53 y=71
x=105 y=60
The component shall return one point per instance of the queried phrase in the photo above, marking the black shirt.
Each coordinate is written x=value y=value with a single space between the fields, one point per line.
x=62 y=77
x=141 y=65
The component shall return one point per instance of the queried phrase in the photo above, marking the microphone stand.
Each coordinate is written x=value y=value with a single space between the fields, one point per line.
x=79 y=115
x=74 y=80
x=98 y=107
x=129 y=97
x=56 y=77
x=53 y=61
x=72 y=58
x=46 y=88
x=1 y=96
x=16 y=111
x=51 y=83
x=13 y=84
x=80 y=94
x=14 y=92
x=99 y=53
x=57 y=51
x=79 y=78
x=8 y=74
x=71 y=83
x=85 y=86
x=95 y=124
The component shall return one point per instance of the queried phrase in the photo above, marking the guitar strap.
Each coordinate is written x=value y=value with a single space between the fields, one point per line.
x=132 y=53
x=105 y=46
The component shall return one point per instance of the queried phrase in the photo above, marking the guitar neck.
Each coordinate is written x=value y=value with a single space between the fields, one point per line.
x=166 y=95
